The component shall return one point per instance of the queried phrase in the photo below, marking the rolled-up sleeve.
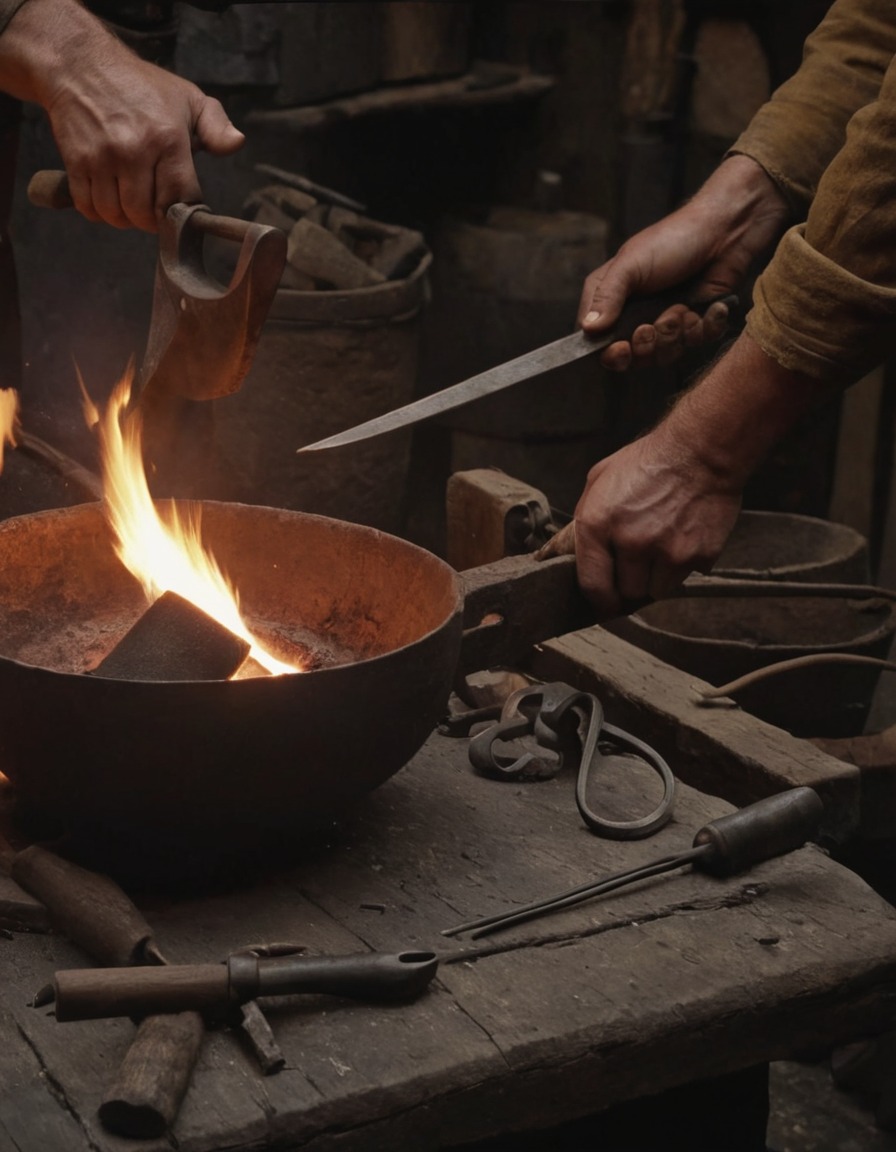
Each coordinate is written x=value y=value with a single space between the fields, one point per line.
x=797 y=133
x=826 y=303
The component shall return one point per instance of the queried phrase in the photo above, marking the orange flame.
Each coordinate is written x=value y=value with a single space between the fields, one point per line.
x=163 y=556
x=9 y=419
x=9 y=427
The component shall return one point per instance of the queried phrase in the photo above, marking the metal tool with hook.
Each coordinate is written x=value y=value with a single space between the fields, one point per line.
x=567 y=722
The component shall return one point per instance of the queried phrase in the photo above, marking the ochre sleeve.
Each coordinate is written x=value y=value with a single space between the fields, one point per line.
x=796 y=134
x=826 y=303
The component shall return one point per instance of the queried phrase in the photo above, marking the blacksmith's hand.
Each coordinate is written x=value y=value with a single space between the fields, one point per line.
x=126 y=129
x=649 y=516
x=709 y=244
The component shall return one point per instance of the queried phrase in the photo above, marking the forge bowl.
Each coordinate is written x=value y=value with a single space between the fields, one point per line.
x=217 y=763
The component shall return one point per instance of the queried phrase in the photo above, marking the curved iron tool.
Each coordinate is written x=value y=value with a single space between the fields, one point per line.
x=564 y=720
x=203 y=334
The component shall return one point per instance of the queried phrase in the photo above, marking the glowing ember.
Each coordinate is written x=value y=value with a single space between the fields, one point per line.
x=9 y=419
x=163 y=556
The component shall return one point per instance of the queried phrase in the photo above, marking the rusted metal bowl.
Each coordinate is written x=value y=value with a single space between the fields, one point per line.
x=786 y=546
x=721 y=639
x=219 y=762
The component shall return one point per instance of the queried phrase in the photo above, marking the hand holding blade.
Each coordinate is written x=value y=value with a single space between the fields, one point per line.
x=638 y=311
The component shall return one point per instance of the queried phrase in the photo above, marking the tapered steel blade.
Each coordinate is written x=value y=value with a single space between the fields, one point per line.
x=524 y=367
x=638 y=310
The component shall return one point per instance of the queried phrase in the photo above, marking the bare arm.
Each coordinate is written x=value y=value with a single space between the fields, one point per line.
x=126 y=129
x=824 y=313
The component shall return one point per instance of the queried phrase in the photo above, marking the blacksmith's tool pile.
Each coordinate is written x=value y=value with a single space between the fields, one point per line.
x=331 y=243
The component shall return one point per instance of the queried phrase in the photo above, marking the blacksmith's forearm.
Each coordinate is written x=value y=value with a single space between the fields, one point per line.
x=738 y=411
x=40 y=40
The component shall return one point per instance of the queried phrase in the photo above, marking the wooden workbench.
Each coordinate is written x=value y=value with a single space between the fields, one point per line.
x=681 y=978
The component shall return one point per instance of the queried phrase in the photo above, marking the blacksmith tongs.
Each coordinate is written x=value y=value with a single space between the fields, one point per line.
x=567 y=721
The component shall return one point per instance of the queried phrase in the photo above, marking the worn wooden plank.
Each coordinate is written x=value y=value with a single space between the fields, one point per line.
x=717 y=748
x=19 y=910
x=467 y=91
x=673 y=980
x=32 y=1113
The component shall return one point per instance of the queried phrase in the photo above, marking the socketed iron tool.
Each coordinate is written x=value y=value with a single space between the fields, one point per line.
x=202 y=334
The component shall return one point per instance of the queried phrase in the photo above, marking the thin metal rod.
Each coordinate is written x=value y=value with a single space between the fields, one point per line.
x=723 y=587
x=488 y=924
x=68 y=468
x=810 y=660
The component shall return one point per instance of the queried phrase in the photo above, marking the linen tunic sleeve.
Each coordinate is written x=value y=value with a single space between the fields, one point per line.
x=796 y=134
x=826 y=303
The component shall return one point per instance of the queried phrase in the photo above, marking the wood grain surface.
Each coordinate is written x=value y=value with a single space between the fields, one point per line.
x=675 y=979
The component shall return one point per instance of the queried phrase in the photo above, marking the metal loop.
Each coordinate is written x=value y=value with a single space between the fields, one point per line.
x=568 y=721
x=638 y=829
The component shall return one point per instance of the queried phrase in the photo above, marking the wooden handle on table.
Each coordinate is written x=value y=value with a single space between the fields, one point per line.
x=86 y=906
x=145 y=1096
x=92 y=993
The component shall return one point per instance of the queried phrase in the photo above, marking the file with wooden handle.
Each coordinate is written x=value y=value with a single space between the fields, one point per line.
x=639 y=310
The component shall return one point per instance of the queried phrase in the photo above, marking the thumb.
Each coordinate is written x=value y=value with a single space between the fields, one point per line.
x=213 y=131
x=604 y=294
x=562 y=543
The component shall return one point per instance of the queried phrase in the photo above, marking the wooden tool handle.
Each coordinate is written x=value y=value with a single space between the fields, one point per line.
x=49 y=188
x=88 y=908
x=145 y=1096
x=92 y=993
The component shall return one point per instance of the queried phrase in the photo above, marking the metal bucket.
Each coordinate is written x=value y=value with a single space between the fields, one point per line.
x=719 y=640
x=783 y=546
x=326 y=360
